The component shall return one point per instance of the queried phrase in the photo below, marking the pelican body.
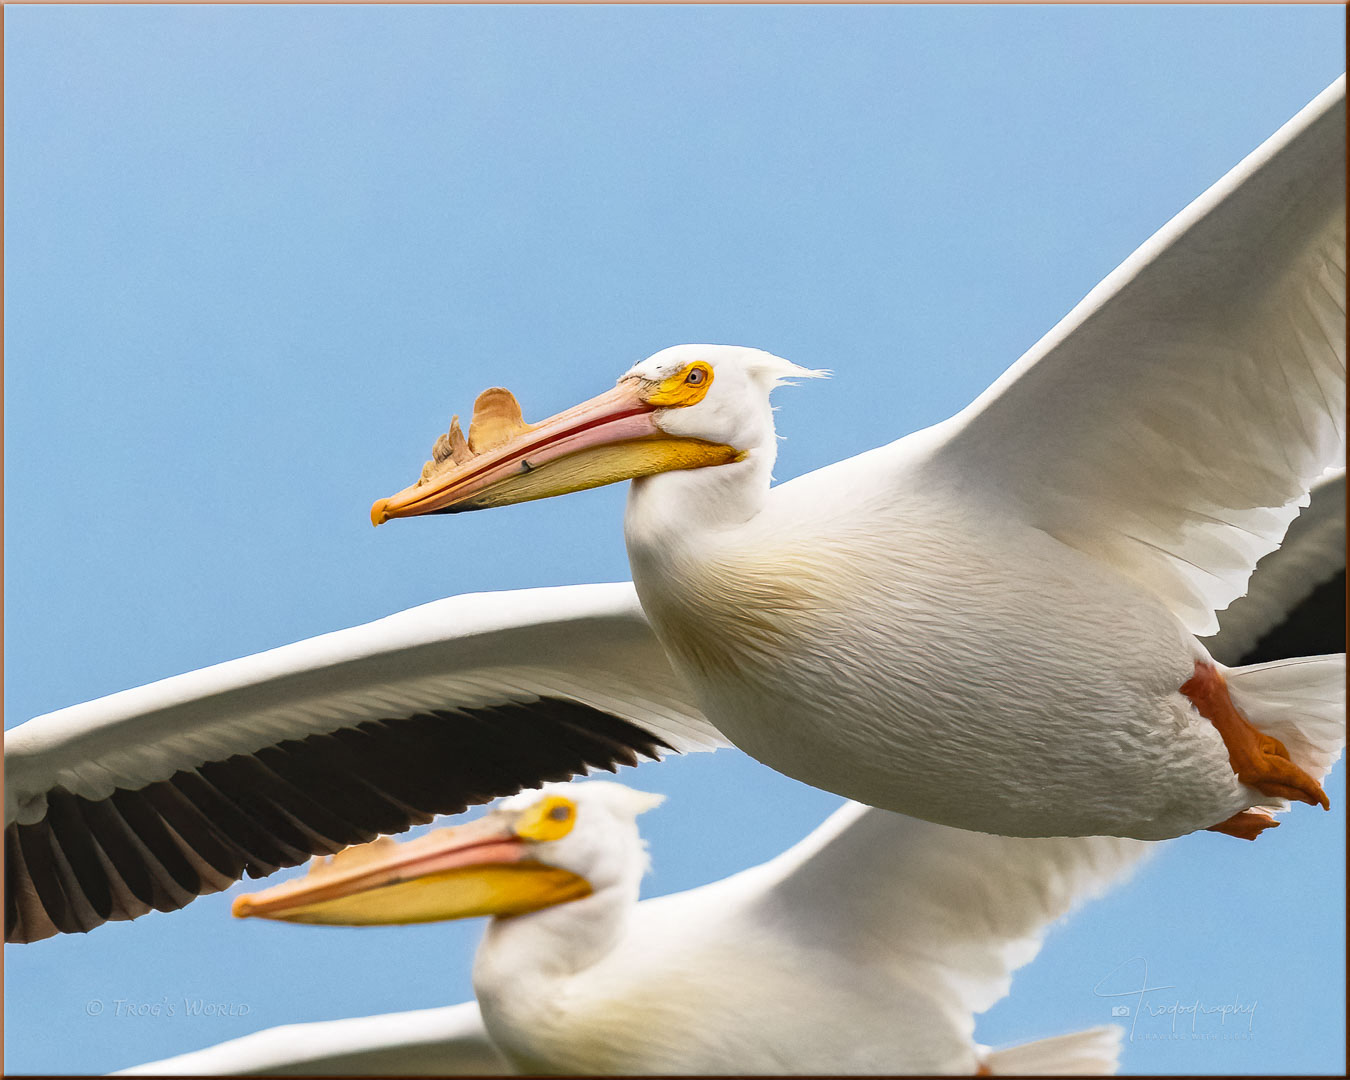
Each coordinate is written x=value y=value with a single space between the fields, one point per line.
x=954 y=651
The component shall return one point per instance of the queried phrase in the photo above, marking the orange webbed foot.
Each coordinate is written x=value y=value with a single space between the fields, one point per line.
x=1272 y=773
x=1247 y=825
x=1260 y=760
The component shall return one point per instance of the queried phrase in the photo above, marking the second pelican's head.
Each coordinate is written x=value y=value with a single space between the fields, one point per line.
x=687 y=407
x=532 y=851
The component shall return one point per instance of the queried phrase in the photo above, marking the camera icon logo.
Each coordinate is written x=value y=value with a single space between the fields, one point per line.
x=1120 y=1010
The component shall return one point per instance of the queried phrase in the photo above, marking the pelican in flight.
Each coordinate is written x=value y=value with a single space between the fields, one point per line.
x=993 y=623
x=868 y=947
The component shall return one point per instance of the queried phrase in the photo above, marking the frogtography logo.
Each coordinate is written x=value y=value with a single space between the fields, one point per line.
x=1157 y=1015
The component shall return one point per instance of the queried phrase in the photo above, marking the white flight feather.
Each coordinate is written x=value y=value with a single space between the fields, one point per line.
x=589 y=643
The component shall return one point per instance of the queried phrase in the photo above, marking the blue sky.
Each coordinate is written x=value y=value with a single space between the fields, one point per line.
x=256 y=257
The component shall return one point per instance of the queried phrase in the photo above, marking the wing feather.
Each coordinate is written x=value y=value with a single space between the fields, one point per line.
x=1295 y=605
x=1172 y=423
x=921 y=922
x=148 y=798
x=957 y=911
x=449 y=1041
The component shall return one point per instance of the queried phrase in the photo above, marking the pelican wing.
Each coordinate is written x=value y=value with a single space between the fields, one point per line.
x=153 y=796
x=1296 y=603
x=450 y=1041
x=951 y=911
x=1173 y=421
x=875 y=922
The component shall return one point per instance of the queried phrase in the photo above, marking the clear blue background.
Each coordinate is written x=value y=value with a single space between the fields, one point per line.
x=257 y=256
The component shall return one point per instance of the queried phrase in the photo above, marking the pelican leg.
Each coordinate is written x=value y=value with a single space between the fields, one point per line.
x=1247 y=825
x=1260 y=760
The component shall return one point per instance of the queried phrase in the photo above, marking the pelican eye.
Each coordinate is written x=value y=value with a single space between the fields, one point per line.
x=685 y=387
x=551 y=818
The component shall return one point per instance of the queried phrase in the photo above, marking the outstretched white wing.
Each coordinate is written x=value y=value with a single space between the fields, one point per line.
x=153 y=796
x=1173 y=421
x=450 y=1041
x=954 y=911
x=868 y=946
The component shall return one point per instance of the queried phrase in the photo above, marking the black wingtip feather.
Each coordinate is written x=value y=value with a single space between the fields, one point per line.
x=1316 y=626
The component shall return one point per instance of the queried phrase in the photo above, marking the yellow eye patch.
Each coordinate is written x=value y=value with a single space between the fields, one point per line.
x=686 y=387
x=549 y=819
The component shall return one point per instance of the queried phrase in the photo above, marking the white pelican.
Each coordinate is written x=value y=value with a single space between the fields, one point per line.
x=990 y=623
x=866 y=948
x=857 y=858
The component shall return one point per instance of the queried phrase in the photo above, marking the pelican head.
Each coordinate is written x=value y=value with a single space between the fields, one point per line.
x=532 y=851
x=686 y=407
